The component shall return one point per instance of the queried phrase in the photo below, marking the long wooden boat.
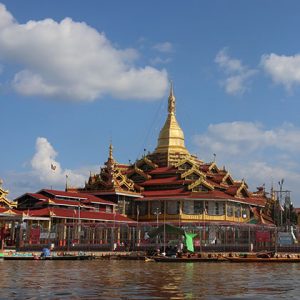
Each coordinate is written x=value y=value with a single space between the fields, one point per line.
x=186 y=259
x=132 y=257
x=264 y=259
x=54 y=257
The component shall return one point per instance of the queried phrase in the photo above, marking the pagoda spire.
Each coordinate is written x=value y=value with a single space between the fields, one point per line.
x=110 y=156
x=171 y=100
x=171 y=138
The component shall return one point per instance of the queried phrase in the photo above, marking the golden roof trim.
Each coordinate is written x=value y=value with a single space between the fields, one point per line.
x=199 y=181
x=191 y=171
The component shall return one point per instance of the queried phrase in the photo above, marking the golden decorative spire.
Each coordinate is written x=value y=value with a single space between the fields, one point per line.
x=171 y=137
x=171 y=100
x=111 y=151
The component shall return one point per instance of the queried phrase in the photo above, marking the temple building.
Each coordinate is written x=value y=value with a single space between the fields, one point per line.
x=172 y=186
x=121 y=203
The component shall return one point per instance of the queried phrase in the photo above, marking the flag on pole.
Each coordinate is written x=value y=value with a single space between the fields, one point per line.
x=281 y=207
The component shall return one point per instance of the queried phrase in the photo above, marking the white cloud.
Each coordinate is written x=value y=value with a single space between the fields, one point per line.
x=237 y=75
x=74 y=61
x=165 y=47
x=283 y=69
x=44 y=157
x=245 y=137
x=250 y=151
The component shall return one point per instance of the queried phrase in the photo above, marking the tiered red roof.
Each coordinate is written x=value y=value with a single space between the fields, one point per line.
x=158 y=186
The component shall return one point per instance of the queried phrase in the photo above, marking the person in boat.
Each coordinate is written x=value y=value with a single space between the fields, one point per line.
x=46 y=252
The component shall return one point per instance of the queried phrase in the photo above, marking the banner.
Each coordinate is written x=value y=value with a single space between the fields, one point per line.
x=263 y=236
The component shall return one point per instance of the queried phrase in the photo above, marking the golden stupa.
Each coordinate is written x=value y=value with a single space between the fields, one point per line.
x=170 y=147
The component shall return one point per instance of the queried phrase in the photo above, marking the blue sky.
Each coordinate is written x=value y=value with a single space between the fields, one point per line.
x=76 y=74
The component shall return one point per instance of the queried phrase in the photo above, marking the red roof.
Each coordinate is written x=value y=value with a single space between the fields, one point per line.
x=68 y=203
x=232 y=190
x=38 y=196
x=82 y=196
x=163 y=170
x=74 y=214
x=205 y=167
x=217 y=177
x=165 y=181
x=8 y=211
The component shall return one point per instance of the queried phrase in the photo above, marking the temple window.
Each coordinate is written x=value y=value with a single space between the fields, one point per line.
x=172 y=207
x=188 y=207
x=211 y=208
x=237 y=211
x=215 y=208
x=229 y=210
x=198 y=207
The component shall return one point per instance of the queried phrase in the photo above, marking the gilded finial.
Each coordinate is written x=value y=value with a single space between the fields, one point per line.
x=171 y=100
x=110 y=151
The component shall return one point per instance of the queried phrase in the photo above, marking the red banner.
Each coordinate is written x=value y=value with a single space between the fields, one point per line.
x=263 y=236
x=35 y=235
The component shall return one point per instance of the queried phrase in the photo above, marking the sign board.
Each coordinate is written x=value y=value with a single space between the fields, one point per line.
x=285 y=239
x=47 y=235
x=44 y=235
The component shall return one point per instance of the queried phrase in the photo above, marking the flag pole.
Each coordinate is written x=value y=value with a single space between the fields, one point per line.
x=53 y=168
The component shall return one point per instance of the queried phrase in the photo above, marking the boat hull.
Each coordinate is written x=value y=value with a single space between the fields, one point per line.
x=263 y=260
x=66 y=257
x=186 y=259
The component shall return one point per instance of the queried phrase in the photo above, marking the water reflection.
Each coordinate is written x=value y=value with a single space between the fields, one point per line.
x=146 y=280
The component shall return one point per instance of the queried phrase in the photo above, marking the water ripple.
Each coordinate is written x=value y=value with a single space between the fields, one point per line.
x=139 y=280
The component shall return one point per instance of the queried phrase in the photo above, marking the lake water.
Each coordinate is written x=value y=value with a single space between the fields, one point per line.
x=100 y=279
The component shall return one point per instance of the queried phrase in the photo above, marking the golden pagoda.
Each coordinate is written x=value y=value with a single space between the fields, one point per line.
x=170 y=147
